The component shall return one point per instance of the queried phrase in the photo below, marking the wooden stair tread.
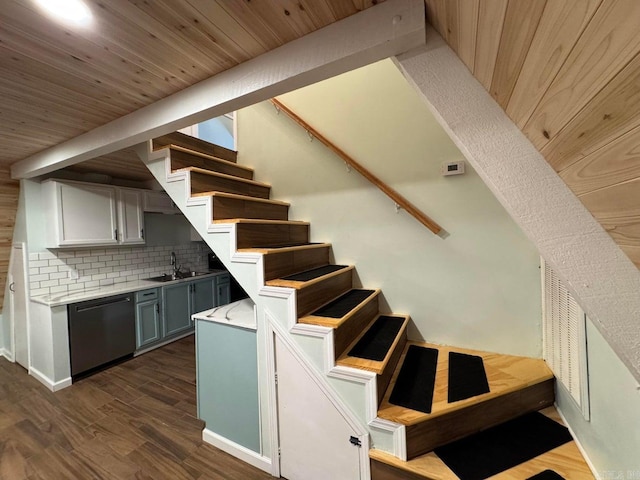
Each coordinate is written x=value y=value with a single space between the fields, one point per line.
x=566 y=460
x=207 y=156
x=505 y=374
x=211 y=173
x=274 y=250
x=187 y=141
x=298 y=284
x=237 y=196
x=377 y=367
x=260 y=221
x=314 y=319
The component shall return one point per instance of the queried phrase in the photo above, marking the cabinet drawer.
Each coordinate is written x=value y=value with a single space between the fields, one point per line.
x=145 y=295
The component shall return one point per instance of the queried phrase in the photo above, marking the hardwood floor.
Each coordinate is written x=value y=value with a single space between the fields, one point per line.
x=136 y=420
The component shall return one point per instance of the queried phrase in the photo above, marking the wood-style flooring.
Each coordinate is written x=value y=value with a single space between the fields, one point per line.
x=136 y=420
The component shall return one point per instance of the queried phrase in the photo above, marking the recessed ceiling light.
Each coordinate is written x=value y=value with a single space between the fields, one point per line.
x=74 y=12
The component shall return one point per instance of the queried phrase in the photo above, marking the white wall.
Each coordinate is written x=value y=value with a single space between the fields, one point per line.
x=611 y=437
x=478 y=288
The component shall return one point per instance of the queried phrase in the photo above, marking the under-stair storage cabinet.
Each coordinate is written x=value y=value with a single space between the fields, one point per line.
x=90 y=214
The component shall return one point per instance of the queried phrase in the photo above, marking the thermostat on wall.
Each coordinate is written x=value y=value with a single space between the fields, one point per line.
x=452 y=168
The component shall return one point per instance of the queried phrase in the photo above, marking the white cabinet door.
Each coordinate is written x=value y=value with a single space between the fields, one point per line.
x=85 y=214
x=314 y=436
x=131 y=217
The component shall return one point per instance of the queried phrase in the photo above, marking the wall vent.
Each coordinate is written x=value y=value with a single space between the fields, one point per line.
x=564 y=338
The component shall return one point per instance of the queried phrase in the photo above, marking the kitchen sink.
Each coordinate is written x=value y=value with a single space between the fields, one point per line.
x=168 y=277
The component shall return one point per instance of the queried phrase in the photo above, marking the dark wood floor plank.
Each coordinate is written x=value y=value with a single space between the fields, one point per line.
x=156 y=462
x=134 y=421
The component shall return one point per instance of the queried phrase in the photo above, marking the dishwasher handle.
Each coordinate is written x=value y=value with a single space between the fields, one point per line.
x=102 y=304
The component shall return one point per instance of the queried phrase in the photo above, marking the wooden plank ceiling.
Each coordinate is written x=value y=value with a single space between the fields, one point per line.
x=567 y=72
x=57 y=82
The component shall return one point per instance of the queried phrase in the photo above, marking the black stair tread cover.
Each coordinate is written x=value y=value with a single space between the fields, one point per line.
x=503 y=447
x=546 y=475
x=467 y=377
x=314 y=273
x=415 y=383
x=342 y=305
x=377 y=341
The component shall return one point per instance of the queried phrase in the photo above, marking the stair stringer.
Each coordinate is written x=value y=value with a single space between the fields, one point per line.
x=354 y=387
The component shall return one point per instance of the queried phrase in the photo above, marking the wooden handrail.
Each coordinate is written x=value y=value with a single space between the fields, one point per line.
x=390 y=192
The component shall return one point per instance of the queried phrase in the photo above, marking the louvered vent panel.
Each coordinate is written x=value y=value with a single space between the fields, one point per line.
x=564 y=338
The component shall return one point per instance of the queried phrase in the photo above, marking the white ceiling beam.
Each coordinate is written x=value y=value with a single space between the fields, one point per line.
x=387 y=29
x=603 y=280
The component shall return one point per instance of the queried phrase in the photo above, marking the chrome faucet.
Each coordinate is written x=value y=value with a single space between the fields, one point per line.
x=174 y=264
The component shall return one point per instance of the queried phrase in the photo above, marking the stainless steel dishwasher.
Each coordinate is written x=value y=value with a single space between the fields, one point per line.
x=101 y=331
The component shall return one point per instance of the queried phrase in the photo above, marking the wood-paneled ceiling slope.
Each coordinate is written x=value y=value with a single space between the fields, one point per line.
x=567 y=72
x=58 y=82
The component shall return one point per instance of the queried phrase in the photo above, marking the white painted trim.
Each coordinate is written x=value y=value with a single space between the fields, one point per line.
x=399 y=435
x=47 y=382
x=579 y=445
x=366 y=379
x=6 y=354
x=318 y=379
x=274 y=428
x=387 y=29
x=600 y=276
x=237 y=450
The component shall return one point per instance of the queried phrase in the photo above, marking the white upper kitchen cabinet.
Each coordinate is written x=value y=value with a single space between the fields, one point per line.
x=90 y=214
x=130 y=216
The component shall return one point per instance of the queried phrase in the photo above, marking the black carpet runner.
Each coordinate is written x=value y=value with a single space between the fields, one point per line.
x=467 y=377
x=343 y=305
x=314 y=273
x=415 y=383
x=503 y=447
x=377 y=341
x=546 y=475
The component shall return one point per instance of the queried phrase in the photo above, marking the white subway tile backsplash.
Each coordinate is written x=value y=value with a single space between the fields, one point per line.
x=96 y=267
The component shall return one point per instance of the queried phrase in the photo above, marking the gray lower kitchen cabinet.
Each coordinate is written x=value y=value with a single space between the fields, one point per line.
x=203 y=295
x=165 y=312
x=223 y=289
x=176 y=308
x=148 y=322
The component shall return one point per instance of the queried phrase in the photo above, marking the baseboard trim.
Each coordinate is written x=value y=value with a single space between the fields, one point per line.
x=6 y=354
x=47 y=382
x=238 y=451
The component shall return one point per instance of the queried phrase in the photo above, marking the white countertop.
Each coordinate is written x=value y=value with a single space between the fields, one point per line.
x=237 y=314
x=115 y=289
